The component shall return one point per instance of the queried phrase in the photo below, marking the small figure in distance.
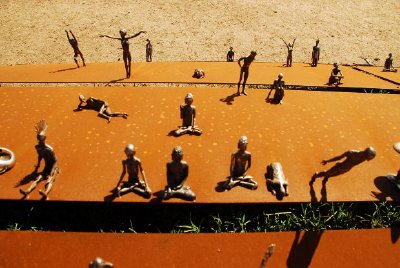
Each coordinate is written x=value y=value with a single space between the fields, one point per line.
x=100 y=263
x=244 y=69
x=395 y=179
x=149 y=51
x=289 y=47
x=353 y=158
x=278 y=85
x=74 y=44
x=277 y=183
x=99 y=106
x=230 y=56
x=315 y=54
x=199 y=73
x=45 y=152
x=126 y=54
x=389 y=64
x=240 y=164
x=336 y=75
x=133 y=165
x=188 y=116
x=177 y=173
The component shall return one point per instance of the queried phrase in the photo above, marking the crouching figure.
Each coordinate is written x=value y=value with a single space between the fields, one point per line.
x=277 y=183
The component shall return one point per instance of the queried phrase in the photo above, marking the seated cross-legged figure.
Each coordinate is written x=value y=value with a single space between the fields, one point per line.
x=388 y=67
x=240 y=164
x=188 y=116
x=177 y=173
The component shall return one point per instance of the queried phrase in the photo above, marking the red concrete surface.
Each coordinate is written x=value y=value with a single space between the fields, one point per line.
x=378 y=71
x=308 y=128
x=356 y=248
x=216 y=72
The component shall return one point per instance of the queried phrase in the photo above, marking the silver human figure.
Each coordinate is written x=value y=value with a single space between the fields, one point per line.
x=277 y=183
x=240 y=164
x=45 y=152
x=289 y=47
x=177 y=173
x=100 y=106
x=100 y=263
x=279 y=87
x=188 y=116
x=133 y=166
x=336 y=75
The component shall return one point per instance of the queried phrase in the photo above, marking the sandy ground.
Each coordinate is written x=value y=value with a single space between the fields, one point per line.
x=33 y=31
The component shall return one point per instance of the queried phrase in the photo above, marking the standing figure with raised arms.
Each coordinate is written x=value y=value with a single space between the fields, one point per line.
x=289 y=57
x=77 y=52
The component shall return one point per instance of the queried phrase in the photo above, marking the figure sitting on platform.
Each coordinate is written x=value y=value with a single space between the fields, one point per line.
x=177 y=173
x=353 y=158
x=188 y=115
x=240 y=164
x=277 y=183
x=77 y=52
x=395 y=179
x=389 y=64
x=198 y=73
x=133 y=165
x=279 y=86
x=100 y=263
x=50 y=170
x=336 y=75
x=99 y=106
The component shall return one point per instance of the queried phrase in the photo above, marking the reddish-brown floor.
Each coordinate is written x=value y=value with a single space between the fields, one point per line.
x=216 y=72
x=378 y=71
x=308 y=128
x=356 y=248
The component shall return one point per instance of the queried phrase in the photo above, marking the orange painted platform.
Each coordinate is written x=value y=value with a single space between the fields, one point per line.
x=181 y=72
x=308 y=128
x=356 y=248
x=378 y=71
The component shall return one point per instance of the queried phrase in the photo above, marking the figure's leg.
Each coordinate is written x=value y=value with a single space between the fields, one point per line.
x=32 y=186
x=246 y=75
x=181 y=131
x=240 y=80
x=49 y=183
x=287 y=61
x=76 y=59
x=187 y=193
x=248 y=182
x=290 y=61
x=317 y=175
x=103 y=113
x=129 y=64
x=125 y=57
x=115 y=114
x=83 y=59
x=196 y=131
x=232 y=182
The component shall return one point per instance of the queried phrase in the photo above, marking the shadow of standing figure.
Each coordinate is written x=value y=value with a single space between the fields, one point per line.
x=302 y=250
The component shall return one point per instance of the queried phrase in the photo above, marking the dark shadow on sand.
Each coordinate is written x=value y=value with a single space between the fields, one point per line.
x=27 y=179
x=118 y=80
x=229 y=99
x=387 y=190
x=63 y=70
x=302 y=252
x=324 y=194
x=395 y=233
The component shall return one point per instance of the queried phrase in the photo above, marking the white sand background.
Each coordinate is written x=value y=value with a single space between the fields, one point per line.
x=32 y=31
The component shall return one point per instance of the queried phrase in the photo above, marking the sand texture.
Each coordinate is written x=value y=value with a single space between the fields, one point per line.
x=33 y=31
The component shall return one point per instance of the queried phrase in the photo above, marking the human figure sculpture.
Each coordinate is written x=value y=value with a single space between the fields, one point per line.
x=126 y=54
x=336 y=75
x=188 y=116
x=7 y=159
x=199 y=73
x=149 y=51
x=77 y=52
x=244 y=71
x=279 y=86
x=352 y=158
x=45 y=152
x=277 y=183
x=240 y=164
x=315 y=54
x=230 y=56
x=388 y=67
x=177 y=173
x=100 y=106
x=289 y=57
x=100 y=263
x=395 y=179
x=132 y=165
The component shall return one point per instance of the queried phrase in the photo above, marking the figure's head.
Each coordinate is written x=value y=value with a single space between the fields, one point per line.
x=317 y=42
x=122 y=32
x=253 y=53
x=148 y=40
x=177 y=153
x=130 y=150
x=97 y=263
x=390 y=55
x=280 y=76
x=370 y=153
x=189 y=98
x=336 y=65
x=396 y=147
x=41 y=128
x=82 y=98
x=231 y=48
x=242 y=144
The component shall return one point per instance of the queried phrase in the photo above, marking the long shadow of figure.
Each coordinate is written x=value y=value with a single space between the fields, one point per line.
x=229 y=99
x=302 y=252
x=63 y=70
x=386 y=188
x=27 y=179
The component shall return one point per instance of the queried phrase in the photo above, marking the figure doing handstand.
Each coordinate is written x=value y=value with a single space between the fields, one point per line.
x=244 y=70
x=177 y=173
x=240 y=164
x=188 y=116
x=126 y=54
x=74 y=44
x=99 y=106
x=45 y=152
x=132 y=165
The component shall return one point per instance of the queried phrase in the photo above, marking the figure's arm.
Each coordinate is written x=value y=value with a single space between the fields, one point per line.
x=232 y=167
x=108 y=36
x=336 y=158
x=248 y=165
x=53 y=169
x=79 y=106
x=294 y=40
x=185 y=175
x=122 y=174
x=133 y=36
x=143 y=176
x=38 y=162
x=284 y=42
x=240 y=61
x=67 y=34
x=73 y=35
x=194 y=117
